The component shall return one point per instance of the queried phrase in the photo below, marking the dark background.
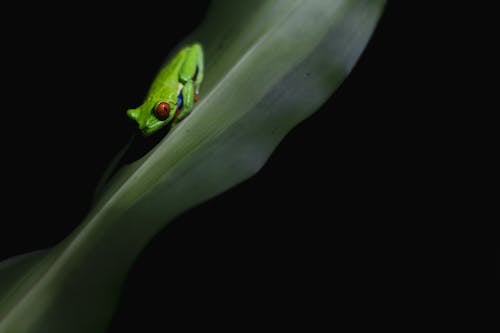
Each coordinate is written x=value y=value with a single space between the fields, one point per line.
x=333 y=216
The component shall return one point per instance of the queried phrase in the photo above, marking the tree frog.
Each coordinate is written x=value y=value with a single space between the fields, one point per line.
x=173 y=92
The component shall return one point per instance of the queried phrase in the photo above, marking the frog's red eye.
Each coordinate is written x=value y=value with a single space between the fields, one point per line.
x=162 y=111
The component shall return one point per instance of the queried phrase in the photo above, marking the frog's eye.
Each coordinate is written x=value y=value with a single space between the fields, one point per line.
x=162 y=111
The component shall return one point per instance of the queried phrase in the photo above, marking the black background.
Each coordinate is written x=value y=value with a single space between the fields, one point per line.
x=329 y=218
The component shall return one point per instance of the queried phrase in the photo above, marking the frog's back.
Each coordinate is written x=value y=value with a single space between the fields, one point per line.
x=168 y=77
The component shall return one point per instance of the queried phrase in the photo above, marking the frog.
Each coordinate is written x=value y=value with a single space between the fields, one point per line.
x=173 y=93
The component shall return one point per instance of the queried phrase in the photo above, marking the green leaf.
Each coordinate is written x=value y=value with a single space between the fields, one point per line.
x=269 y=65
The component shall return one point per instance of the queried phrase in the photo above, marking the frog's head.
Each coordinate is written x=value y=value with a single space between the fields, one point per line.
x=153 y=115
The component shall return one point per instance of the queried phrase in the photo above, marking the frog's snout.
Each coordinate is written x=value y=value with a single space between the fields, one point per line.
x=133 y=114
x=147 y=125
